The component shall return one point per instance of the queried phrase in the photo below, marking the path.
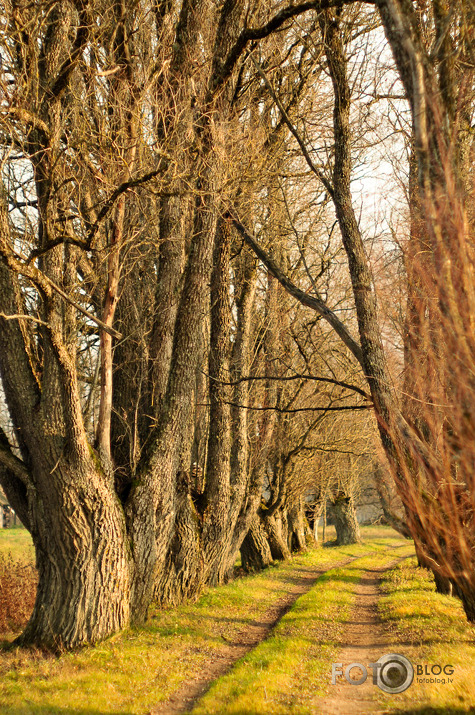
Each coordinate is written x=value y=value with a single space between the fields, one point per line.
x=366 y=641
x=191 y=691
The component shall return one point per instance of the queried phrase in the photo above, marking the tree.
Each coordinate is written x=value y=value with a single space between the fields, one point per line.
x=118 y=123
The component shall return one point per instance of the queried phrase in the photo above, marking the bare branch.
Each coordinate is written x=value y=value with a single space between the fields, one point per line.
x=28 y=118
x=11 y=461
x=295 y=409
x=285 y=378
x=47 y=285
x=251 y=34
x=319 y=174
x=122 y=188
x=23 y=317
x=313 y=302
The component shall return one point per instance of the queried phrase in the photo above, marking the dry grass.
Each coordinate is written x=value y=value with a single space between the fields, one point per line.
x=288 y=673
x=17 y=542
x=18 y=582
x=432 y=629
x=131 y=672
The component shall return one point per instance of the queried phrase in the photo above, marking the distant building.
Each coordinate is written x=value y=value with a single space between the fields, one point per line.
x=368 y=506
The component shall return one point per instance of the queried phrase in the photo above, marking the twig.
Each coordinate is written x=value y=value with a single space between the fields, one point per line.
x=23 y=317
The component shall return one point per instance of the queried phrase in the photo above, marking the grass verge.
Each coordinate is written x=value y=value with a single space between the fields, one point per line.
x=18 y=579
x=135 y=670
x=431 y=629
x=17 y=543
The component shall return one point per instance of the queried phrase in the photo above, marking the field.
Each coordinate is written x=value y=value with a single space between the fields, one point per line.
x=17 y=579
x=263 y=644
x=17 y=542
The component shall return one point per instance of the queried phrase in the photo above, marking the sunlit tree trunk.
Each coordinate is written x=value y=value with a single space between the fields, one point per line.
x=346 y=523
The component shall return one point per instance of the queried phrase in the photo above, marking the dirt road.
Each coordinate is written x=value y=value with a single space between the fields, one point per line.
x=365 y=642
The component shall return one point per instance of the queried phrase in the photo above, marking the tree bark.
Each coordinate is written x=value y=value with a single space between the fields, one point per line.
x=277 y=543
x=153 y=502
x=243 y=506
x=183 y=574
x=464 y=590
x=218 y=469
x=296 y=527
x=255 y=550
x=82 y=557
x=346 y=523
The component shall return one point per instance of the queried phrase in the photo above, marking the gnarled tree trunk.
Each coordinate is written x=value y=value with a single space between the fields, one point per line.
x=296 y=527
x=82 y=556
x=346 y=523
x=277 y=543
x=255 y=549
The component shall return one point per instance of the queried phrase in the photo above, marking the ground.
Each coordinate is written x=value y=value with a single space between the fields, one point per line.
x=265 y=644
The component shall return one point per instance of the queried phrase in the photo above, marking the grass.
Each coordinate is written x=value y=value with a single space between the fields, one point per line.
x=130 y=672
x=436 y=628
x=17 y=543
x=17 y=579
x=287 y=674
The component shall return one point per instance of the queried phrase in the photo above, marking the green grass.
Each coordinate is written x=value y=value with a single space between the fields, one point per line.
x=436 y=628
x=131 y=672
x=17 y=542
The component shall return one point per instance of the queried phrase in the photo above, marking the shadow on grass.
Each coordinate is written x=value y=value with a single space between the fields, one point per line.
x=420 y=711
x=6 y=642
x=331 y=577
x=397 y=588
x=327 y=545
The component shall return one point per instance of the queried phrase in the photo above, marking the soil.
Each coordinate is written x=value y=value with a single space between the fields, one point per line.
x=366 y=640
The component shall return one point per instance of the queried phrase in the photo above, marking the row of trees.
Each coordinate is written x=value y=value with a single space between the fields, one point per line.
x=427 y=435
x=172 y=278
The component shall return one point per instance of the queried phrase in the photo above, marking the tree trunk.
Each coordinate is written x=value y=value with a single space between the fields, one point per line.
x=255 y=549
x=464 y=590
x=442 y=583
x=346 y=524
x=243 y=506
x=311 y=516
x=296 y=518
x=183 y=574
x=278 y=546
x=154 y=502
x=218 y=469
x=310 y=534
x=83 y=561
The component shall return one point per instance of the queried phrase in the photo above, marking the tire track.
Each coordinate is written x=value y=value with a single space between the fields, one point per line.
x=366 y=640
